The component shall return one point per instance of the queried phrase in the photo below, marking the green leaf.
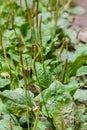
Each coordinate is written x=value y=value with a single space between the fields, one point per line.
x=2 y=108
x=44 y=76
x=63 y=22
x=4 y=83
x=45 y=15
x=80 y=95
x=9 y=34
x=72 y=87
x=15 y=101
x=47 y=33
x=77 y=10
x=5 y=124
x=24 y=119
x=42 y=125
x=82 y=50
x=17 y=19
x=55 y=89
x=64 y=115
x=82 y=71
x=81 y=58
x=83 y=126
x=14 y=56
x=53 y=95
x=76 y=64
x=72 y=34
x=60 y=106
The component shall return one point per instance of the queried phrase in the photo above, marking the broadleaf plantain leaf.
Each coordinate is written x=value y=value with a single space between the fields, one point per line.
x=17 y=101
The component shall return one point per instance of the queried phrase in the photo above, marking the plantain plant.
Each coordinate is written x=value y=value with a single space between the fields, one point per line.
x=39 y=66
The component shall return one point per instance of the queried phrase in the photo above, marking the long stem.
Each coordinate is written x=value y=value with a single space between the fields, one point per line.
x=56 y=15
x=35 y=58
x=1 y=38
x=37 y=14
x=37 y=117
x=40 y=39
x=40 y=52
x=67 y=4
x=65 y=65
x=64 y=71
x=25 y=87
x=50 y=2
x=4 y=51
x=61 y=48
x=29 y=13
x=11 y=128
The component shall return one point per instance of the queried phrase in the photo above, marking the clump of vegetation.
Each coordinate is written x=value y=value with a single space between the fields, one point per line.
x=42 y=71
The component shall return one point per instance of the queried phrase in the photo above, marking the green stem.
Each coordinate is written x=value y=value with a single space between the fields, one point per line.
x=56 y=15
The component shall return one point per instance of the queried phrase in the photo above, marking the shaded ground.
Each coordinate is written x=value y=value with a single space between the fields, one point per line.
x=82 y=19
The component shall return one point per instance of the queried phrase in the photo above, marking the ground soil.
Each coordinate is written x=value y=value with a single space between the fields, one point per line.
x=81 y=20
